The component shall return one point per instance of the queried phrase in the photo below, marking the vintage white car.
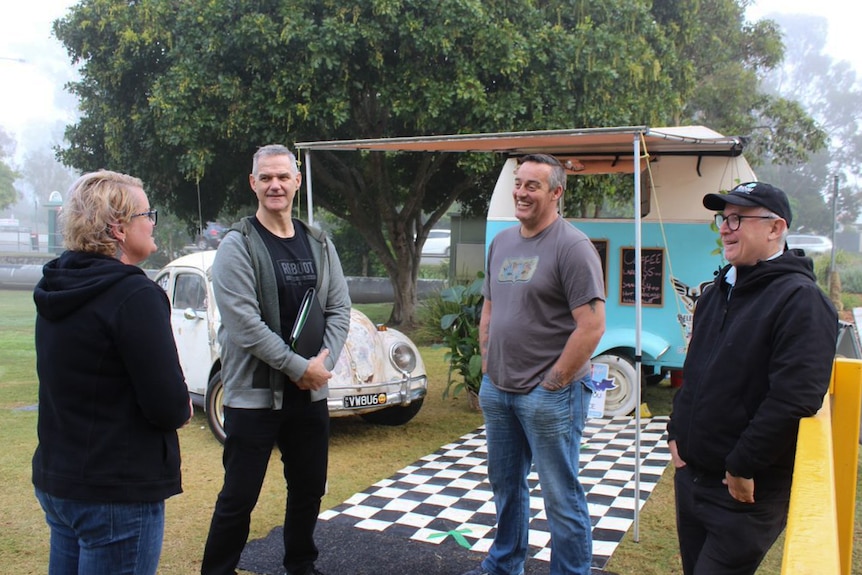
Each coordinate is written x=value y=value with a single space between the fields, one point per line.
x=379 y=376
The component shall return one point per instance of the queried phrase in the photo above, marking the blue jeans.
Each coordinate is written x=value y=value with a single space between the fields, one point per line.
x=103 y=538
x=543 y=428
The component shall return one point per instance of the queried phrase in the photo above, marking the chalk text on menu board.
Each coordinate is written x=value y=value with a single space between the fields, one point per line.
x=652 y=276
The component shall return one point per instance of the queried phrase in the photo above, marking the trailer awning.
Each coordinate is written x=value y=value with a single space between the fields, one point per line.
x=584 y=142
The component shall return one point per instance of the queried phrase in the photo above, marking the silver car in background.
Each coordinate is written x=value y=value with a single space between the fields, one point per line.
x=437 y=244
x=810 y=244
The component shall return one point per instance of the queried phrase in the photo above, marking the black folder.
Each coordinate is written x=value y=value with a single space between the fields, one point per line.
x=306 y=336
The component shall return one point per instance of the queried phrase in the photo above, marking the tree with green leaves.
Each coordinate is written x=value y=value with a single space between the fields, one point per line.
x=829 y=91
x=8 y=175
x=8 y=193
x=728 y=57
x=182 y=93
x=42 y=174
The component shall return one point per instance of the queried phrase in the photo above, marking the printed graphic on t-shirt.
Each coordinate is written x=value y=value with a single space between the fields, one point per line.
x=518 y=269
x=297 y=272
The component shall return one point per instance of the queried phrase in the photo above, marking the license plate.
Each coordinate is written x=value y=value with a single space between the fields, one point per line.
x=364 y=400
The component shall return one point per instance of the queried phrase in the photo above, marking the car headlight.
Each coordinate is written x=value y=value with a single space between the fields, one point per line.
x=402 y=357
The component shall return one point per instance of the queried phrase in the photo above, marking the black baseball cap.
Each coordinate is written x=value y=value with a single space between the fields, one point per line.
x=752 y=194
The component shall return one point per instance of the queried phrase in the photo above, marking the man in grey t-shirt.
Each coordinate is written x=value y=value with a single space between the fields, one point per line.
x=543 y=316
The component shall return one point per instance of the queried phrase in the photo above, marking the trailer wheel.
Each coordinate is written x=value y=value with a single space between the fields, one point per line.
x=621 y=400
x=215 y=407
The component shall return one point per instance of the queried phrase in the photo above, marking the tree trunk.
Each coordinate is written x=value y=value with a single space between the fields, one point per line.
x=835 y=290
x=405 y=293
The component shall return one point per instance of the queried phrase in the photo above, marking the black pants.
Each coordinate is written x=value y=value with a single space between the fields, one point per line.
x=301 y=431
x=719 y=535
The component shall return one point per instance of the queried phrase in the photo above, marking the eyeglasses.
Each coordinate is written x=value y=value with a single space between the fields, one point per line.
x=733 y=220
x=153 y=215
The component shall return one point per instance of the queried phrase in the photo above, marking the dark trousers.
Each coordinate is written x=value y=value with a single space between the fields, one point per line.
x=719 y=535
x=301 y=431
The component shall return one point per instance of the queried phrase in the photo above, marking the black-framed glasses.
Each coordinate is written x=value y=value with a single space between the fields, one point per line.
x=153 y=215
x=733 y=220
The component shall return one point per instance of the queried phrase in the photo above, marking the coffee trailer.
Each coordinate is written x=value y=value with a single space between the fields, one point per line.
x=656 y=258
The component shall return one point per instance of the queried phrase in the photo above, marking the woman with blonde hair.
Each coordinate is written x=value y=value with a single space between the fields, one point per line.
x=111 y=390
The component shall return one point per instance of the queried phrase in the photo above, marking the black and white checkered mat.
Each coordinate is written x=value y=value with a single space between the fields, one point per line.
x=447 y=494
x=440 y=509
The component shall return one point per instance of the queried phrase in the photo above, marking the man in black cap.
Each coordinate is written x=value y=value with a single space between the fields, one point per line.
x=760 y=358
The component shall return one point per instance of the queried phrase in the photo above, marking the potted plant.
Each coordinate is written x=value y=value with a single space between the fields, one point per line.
x=461 y=335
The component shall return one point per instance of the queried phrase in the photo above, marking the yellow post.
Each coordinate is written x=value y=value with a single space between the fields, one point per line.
x=846 y=406
x=811 y=540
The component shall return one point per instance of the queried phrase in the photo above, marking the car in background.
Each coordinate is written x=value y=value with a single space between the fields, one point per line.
x=379 y=375
x=437 y=244
x=811 y=244
x=9 y=224
x=211 y=236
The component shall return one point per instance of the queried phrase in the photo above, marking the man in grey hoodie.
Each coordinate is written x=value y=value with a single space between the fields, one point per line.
x=273 y=395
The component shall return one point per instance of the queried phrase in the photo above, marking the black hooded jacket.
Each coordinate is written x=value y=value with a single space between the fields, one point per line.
x=760 y=358
x=111 y=390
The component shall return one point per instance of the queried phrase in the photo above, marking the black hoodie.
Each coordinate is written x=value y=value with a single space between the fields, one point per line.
x=111 y=390
x=759 y=359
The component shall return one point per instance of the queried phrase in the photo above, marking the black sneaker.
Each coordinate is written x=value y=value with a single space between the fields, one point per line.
x=476 y=571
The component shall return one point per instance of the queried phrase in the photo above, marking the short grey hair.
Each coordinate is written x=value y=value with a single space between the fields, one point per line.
x=558 y=172
x=786 y=232
x=272 y=150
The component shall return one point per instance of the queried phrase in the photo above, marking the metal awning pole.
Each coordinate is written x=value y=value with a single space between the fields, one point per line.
x=638 y=318
x=310 y=208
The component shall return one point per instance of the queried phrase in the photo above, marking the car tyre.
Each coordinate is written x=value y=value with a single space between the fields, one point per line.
x=215 y=407
x=393 y=416
x=621 y=400
x=202 y=244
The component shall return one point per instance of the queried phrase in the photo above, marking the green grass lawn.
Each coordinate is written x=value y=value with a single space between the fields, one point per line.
x=361 y=454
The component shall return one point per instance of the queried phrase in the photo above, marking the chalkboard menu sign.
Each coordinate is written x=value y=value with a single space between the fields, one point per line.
x=652 y=276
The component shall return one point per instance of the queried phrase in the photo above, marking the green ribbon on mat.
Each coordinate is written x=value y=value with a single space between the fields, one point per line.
x=458 y=536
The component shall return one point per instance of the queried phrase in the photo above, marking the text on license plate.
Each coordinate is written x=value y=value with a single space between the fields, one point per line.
x=364 y=400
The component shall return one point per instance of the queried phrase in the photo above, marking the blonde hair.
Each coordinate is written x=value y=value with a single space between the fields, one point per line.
x=95 y=202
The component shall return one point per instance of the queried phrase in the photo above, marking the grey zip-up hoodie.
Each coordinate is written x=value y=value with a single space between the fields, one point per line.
x=256 y=360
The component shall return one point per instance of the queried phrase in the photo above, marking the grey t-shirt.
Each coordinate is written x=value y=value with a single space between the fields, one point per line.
x=533 y=285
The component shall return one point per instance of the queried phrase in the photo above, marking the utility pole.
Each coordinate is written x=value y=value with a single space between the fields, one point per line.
x=834 y=278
